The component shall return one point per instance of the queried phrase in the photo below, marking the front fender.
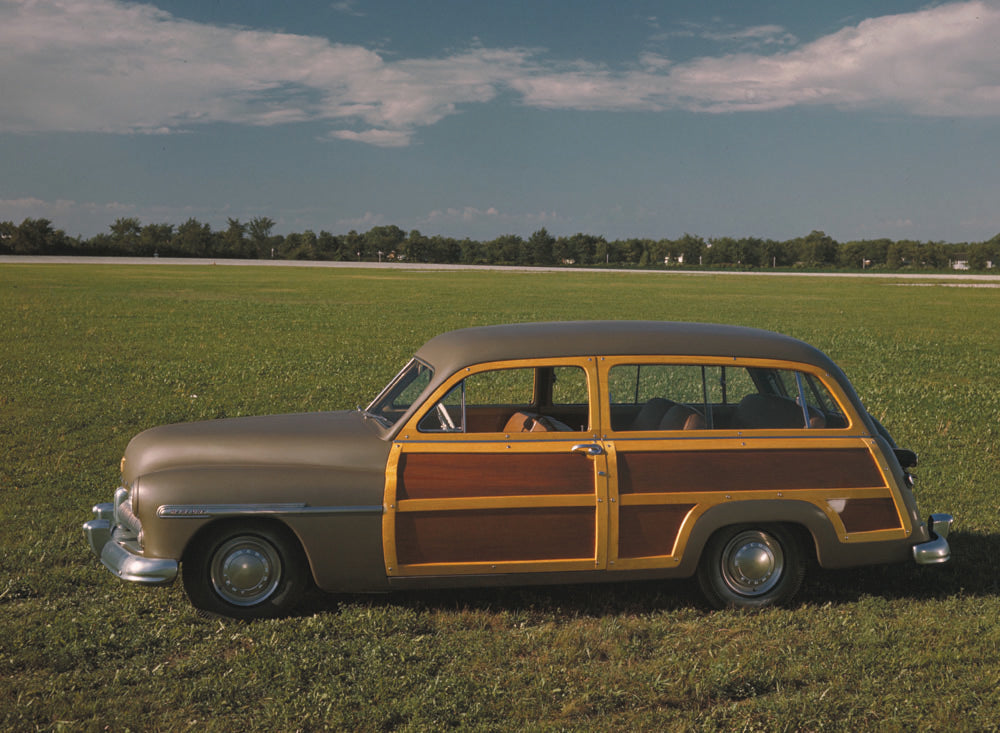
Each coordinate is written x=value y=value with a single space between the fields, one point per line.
x=334 y=514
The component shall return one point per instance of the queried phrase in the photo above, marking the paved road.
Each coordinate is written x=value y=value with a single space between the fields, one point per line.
x=956 y=277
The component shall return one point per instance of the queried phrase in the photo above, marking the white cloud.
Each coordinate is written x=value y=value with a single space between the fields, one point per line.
x=488 y=222
x=380 y=138
x=109 y=66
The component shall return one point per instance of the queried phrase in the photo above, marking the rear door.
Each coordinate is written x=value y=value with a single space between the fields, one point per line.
x=687 y=434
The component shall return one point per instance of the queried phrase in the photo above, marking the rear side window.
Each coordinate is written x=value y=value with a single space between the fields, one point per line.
x=716 y=397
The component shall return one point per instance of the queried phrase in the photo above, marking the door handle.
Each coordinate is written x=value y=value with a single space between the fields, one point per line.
x=591 y=449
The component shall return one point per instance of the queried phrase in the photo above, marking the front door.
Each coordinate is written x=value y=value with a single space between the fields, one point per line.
x=502 y=472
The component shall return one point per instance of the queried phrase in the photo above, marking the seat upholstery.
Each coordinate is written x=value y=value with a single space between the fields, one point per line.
x=651 y=414
x=768 y=411
x=682 y=417
x=530 y=422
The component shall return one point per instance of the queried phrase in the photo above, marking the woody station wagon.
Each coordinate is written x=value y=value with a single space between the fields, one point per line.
x=531 y=453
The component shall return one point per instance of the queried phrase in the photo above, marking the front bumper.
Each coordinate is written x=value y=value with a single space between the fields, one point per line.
x=936 y=550
x=118 y=550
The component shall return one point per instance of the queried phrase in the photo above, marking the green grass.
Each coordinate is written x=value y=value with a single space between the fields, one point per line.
x=93 y=354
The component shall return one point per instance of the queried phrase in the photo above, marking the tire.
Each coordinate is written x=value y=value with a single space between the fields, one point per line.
x=751 y=567
x=246 y=571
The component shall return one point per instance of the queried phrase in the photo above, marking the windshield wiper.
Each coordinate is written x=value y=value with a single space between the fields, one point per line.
x=377 y=418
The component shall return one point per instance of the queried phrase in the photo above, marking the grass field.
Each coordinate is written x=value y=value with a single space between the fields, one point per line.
x=93 y=354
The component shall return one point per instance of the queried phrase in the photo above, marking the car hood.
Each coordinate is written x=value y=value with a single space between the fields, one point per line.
x=321 y=439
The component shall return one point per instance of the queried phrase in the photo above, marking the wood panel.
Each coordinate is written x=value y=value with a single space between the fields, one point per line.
x=468 y=475
x=867 y=515
x=746 y=470
x=496 y=535
x=649 y=531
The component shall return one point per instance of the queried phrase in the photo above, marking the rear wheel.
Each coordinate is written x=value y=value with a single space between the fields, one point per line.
x=751 y=567
x=247 y=571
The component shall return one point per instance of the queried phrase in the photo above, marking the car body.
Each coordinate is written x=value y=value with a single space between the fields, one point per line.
x=532 y=453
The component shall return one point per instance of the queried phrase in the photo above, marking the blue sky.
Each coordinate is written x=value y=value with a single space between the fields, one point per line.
x=476 y=119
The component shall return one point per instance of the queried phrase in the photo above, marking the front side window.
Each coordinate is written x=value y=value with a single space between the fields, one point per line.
x=513 y=400
x=718 y=397
x=401 y=393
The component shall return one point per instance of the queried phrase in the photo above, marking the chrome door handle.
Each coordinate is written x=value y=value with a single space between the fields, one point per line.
x=591 y=449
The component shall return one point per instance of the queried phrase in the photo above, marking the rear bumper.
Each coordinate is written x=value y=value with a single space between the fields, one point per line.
x=935 y=551
x=119 y=552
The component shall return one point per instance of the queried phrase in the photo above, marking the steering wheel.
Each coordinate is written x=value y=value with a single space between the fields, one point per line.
x=444 y=417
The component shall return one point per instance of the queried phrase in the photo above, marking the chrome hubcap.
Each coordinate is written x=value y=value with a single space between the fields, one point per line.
x=246 y=571
x=752 y=563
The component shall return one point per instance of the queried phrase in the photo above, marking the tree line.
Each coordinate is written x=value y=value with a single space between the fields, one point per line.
x=255 y=240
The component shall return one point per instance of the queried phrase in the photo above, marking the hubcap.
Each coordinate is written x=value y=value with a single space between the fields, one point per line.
x=752 y=563
x=246 y=571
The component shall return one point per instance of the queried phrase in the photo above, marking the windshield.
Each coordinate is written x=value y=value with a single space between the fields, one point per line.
x=401 y=393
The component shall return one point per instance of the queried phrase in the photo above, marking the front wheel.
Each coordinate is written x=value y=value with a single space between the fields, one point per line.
x=245 y=571
x=751 y=567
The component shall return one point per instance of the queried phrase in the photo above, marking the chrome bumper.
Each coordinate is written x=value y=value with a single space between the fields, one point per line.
x=935 y=551
x=118 y=551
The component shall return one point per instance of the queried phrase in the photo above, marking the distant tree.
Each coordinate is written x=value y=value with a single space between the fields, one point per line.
x=772 y=253
x=415 y=248
x=384 y=239
x=193 y=239
x=354 y=245
x=540 y=245
x=816 y=249
x=259 y=230
x=297 y=246
x=328 y=246
x=507 y=249
x=125 y=235
x=155 y=239
x=692 y=248
x=583 y=248
x=37 y=237
x=7 y=230
x=445 y=249
x=234 y=240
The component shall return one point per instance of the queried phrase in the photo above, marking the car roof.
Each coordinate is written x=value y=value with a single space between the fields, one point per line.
x=453 y=350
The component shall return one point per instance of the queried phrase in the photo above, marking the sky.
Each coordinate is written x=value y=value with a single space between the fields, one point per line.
x=644 y=118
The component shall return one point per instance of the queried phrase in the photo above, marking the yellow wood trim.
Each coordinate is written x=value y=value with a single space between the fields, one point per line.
x=587 y=363
x=555 y=443
x=389 y=510
x=711 y=498
x=497 y=502
x=496 y=568
x=603 y=509
x=855 y=424
x=897 y=497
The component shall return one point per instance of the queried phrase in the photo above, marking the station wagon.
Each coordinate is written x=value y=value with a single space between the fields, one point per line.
x=529 y=454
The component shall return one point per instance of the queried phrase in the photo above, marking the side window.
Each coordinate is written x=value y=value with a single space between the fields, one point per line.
x=569 y=386
x=718 y=397
x=514 y=400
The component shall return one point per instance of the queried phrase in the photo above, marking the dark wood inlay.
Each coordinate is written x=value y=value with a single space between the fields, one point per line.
x=746 y=470
x=470 y=475
x=866 y=515
x=648 y=531
x=495 y=535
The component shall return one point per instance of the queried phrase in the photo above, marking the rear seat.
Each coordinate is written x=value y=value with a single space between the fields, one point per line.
x=652 y=414
x=773 y=412
x=682 y=417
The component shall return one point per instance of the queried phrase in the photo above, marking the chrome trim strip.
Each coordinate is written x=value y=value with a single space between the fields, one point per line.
x=200 y=511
